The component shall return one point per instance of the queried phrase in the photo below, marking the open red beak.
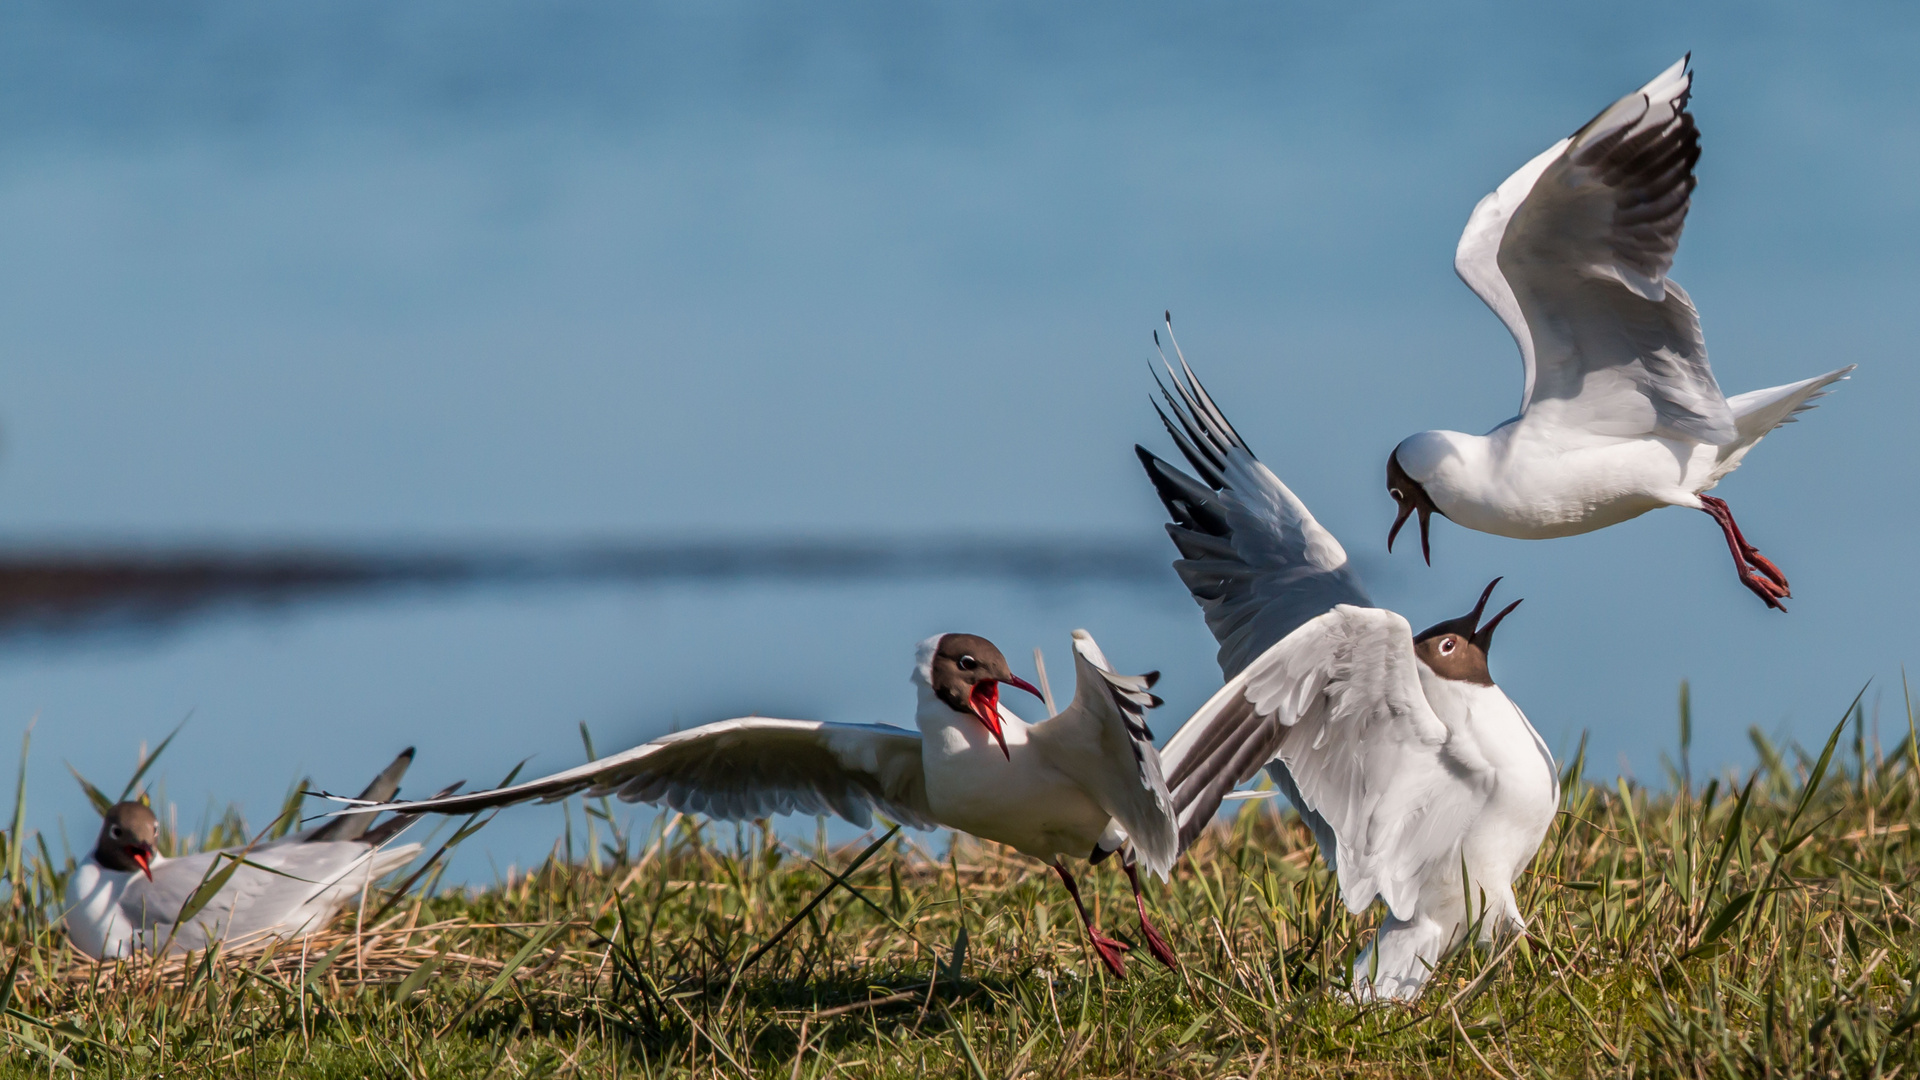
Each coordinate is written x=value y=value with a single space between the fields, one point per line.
x=986 y=705
x=142 y=857
x=1015 y=680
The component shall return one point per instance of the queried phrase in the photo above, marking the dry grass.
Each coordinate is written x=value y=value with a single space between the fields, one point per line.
x=1759 y=926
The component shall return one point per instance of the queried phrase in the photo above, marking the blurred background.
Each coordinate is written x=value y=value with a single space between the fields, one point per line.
x=453 y=374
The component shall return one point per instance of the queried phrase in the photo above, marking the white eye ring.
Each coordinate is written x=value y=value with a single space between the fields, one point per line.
x=1446 y=646
x=1395 y=492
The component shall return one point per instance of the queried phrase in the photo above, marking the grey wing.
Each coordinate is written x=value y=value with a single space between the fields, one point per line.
x=1251 y=554
x=742 y=769
x=149 y=903
x=1102 y=741
x=303 y=882
x=1572 y=252
x=1337 y=711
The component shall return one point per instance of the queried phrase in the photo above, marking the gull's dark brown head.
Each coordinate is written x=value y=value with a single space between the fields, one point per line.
x=1457 y=649
x=966 y=674
x=126 y=838
x=1412 y=498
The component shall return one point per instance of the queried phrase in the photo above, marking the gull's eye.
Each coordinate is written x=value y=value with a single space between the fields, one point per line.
x=968 y=663
x=1446 y=646
x=113 y=831
x=1395 y=492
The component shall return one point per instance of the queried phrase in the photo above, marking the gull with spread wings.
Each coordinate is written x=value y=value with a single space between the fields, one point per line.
x=1620 y=413
x=1406 y=761
x=1082 y=784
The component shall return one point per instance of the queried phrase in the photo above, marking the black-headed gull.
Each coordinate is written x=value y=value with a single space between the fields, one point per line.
x=1620 y=413
x=1399 y=752
x=126 y=897
x=1081 y=784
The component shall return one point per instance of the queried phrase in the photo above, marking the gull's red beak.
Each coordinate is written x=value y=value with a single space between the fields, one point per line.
x=143 y=858
x=986 y=705
x=1015 y=680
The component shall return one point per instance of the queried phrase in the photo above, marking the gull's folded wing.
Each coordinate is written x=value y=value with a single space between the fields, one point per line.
x=1101 y=740
x=291 y=887
x=1386 y=787
x=1572 y=253
x=743 y=769
x=1251 y=554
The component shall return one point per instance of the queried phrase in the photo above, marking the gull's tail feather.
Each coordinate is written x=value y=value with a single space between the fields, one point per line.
x=1396 y=963
x=1757 y=412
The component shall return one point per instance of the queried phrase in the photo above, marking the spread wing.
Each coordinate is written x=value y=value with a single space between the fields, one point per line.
x=1572 y=253
x=1337 y=706
x=1251 y=554
x=743 y=769
x=1101 y=740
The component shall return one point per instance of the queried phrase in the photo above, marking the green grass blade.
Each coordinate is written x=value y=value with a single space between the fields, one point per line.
x=211 y=883
x=134 y=781
x=1724 y=919
x=16 y=836
x=94 y=795
x=418 y=977
x=832 y=884
x=319 y=969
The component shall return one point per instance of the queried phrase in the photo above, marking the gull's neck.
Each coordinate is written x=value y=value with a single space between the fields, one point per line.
x=1454 y=699
x=1452 y=467
x=940 y=725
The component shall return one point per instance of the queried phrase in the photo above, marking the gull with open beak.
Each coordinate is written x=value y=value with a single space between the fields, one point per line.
x=126 y=897
x=1406 y=761
x=1081 y=784
x=1620 y=413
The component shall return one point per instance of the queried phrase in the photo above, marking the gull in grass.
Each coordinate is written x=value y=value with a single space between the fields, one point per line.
x=1084 y=783
x=1403 y=757
x=1620 y=413
x=126 y=897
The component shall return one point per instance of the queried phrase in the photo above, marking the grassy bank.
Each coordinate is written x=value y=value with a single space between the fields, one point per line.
x=1759 y=925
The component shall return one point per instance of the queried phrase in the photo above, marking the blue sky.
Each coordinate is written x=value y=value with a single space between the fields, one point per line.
x=482 y=271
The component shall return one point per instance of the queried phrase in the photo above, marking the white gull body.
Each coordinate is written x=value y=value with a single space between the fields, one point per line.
x=1620 y=412
x=124 y=897
x=1405 y=776
x=112 y=914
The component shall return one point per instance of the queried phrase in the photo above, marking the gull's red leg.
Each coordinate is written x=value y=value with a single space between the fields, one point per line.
x=1770 y=589
x=1108 y=948
x=1155 y=943
x=1752 y=554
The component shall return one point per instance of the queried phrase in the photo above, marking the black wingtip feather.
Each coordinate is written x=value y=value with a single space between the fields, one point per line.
x=1190 y=503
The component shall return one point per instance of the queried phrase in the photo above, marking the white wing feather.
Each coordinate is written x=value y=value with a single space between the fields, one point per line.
x=1386 y=786
x=1572 y=253
x=1102 y=742
x=743 y=769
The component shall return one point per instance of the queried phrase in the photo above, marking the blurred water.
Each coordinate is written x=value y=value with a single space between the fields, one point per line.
x=355 y=276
